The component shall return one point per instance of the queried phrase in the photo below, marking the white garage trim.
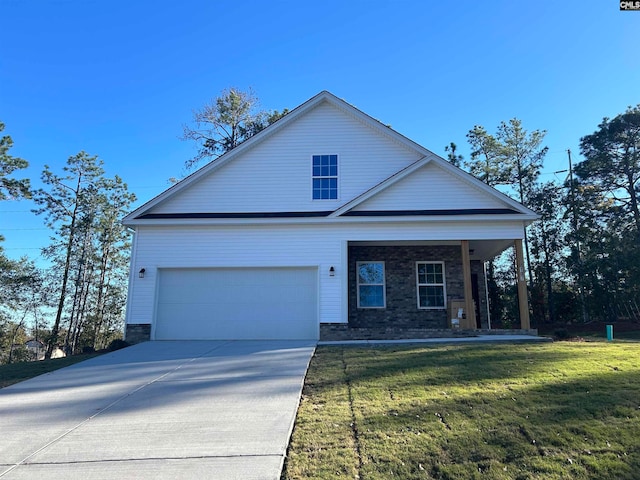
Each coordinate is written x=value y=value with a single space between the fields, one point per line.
x=237 y=304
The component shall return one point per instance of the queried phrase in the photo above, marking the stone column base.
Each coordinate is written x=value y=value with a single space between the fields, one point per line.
x=137 y=333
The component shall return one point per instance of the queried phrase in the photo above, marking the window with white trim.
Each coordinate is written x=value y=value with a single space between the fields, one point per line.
x=431 y=285
x=371 y=286
x=325 y=177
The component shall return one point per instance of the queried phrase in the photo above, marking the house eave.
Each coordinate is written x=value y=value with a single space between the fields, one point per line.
x=315 y=220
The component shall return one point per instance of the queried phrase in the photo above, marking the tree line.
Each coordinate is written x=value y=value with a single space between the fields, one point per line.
x=76 y=303
x=582 y=257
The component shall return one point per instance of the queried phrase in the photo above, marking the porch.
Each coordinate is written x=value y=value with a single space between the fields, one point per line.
x=413 y=290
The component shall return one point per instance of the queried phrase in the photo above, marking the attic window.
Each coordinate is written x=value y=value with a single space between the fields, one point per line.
x=325 y=177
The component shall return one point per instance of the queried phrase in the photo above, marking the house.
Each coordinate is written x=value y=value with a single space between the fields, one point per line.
x=37 y=349
x=327 y=224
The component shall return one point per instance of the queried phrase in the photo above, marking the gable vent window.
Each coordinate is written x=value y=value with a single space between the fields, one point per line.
x=325 y=177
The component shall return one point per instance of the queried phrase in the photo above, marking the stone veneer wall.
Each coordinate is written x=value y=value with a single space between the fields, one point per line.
x=137 y=333
x=331 y=332
x=401 y=290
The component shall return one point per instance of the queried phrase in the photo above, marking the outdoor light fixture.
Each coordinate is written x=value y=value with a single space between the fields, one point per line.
x=141 y=273
x=332 y=272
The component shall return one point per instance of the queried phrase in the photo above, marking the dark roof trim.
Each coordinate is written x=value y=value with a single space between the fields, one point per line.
x=361 y=213
x=403 y=213
x=154 y=216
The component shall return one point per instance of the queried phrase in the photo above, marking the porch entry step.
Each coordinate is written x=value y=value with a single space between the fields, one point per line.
x=342 y=331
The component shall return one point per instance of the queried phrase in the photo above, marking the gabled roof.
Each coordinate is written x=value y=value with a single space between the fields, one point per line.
x=512 y=210
x=511 y=206
x=289 y=118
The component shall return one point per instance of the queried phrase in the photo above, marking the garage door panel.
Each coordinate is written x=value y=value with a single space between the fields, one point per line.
x=263 y=303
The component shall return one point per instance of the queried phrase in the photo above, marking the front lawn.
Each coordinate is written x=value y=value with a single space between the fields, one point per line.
x=18 y=372
x=518 y=411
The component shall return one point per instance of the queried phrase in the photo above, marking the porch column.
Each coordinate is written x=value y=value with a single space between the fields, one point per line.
x=523 y=300
x=466 y=275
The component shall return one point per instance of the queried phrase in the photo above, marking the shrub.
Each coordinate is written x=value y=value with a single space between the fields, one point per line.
x=117 y=344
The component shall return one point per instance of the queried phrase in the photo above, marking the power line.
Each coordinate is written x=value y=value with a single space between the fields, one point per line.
x=21 y=229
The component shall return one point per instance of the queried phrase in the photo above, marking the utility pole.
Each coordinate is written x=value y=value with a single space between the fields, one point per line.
x=583 y=307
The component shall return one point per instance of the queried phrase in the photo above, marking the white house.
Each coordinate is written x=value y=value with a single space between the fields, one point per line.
x=327 y=224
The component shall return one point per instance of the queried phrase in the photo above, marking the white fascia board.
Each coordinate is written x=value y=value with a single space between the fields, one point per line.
x=526 y=219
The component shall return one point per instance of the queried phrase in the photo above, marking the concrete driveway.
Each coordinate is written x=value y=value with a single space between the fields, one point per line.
x=207 y=409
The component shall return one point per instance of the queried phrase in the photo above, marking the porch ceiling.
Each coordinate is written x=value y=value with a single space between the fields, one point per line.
x=482 y=250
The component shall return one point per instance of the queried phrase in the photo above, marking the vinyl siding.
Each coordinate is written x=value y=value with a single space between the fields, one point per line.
x=430 y=188
x=275 y=175
x=320 y=246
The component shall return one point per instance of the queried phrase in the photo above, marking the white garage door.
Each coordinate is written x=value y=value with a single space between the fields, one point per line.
x=237 y=303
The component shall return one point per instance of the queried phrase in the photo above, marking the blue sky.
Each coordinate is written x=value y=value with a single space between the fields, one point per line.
x=118 y=79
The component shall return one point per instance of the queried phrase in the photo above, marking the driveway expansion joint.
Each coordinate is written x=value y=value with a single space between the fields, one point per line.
x=98 y=419
x=155 y=459
x=99 y=411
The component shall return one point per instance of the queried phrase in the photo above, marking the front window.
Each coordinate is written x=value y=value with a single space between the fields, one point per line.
x=325 y=177
x=371 y=288
x=431 y=285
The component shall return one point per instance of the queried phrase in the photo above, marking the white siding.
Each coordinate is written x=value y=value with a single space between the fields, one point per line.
x=320 y=246
x=431 y=188
x=275 y=175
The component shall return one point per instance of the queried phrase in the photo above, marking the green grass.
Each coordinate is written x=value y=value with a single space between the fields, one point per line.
x=633 y=336
x=594 y=332
x=536 y=411
x=18 y=372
